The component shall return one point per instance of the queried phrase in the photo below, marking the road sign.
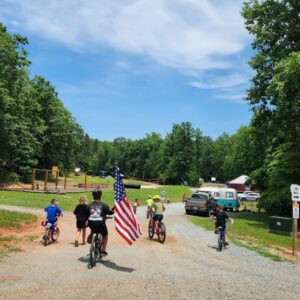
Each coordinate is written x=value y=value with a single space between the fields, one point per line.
x=295 y=190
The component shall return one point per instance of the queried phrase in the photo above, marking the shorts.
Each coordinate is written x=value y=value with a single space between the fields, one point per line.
x=223 y=227
x=81 y=224
x=158 y=217
x=98 y=227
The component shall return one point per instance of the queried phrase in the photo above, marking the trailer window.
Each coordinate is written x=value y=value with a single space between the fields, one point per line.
x=216 y=194
x=229 y=194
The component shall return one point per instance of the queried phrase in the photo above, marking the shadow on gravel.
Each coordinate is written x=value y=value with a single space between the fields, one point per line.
x=215 y=247
x=109 y=264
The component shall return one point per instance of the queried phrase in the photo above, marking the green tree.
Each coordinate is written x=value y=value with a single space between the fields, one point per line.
x=276 y=29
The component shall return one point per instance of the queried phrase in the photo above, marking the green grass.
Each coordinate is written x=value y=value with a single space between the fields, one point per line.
x=257 y=249
x=68 y=202
x=73 y=179
x=10 y=219
x=252 y=231
x=13 y=220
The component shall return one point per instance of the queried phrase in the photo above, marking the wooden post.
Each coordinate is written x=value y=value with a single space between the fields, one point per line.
x=46 y=180
x=85 y=181
x=65 y=182
x=56 y=179
x=33 y=180
x=295 y=229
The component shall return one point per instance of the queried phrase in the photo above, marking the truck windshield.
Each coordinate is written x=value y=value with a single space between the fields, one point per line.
x=199 y=197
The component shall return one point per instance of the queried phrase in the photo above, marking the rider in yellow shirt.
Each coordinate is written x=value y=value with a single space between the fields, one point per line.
x=158 y=208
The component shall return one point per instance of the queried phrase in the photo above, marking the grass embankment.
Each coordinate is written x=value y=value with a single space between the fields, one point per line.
x=251 y=231
x=9 y=222
x=68 y=201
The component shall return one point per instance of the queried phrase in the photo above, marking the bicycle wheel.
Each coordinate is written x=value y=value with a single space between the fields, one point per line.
x=162 y=232
x=92 y=252
x=220 y=242
x=99 y=246
x=151 y=229
x=55 y=234
x=45 y=238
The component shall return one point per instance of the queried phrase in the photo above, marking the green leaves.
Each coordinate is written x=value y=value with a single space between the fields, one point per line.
x=275 y=97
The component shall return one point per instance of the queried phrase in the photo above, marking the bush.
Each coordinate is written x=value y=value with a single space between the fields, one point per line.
x=277 y=202
x=8 y=177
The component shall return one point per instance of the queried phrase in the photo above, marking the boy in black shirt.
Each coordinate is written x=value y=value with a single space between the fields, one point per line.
x=221 y=217
x=97 y=217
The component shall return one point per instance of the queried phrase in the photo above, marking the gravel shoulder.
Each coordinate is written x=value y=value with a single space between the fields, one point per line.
x=187 y=266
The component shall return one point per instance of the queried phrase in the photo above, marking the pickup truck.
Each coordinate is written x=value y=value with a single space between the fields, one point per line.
x=200 y=202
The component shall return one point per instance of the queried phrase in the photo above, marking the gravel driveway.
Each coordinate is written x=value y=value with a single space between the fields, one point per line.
x=187 y=266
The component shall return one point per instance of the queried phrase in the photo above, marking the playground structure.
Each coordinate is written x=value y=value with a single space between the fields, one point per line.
x=46 y=180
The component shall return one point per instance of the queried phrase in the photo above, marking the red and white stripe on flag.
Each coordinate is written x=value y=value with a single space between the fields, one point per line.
x=125 y=221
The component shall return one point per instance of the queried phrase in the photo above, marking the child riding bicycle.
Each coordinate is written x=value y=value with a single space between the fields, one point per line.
x=158 y=208
x=221 y=217
x=53 y=211
x=97 y=218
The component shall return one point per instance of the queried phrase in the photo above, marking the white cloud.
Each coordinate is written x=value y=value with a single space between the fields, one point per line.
x=220 y=82
x=184 y=34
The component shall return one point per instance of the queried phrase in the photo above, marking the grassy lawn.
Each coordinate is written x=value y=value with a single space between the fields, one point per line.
x=68 y=202
x=73 y=179
x=251 y=231
x=13 y=220
x=10 y=219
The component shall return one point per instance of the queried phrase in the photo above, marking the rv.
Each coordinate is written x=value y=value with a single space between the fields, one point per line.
x=226 y=197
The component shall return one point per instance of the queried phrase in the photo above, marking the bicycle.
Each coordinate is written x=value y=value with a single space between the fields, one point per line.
x=221 y=239
x=158 y=227
x=51 y=233
x=95 y=249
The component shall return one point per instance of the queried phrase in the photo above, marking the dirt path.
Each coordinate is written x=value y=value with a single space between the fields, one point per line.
x=186 y=267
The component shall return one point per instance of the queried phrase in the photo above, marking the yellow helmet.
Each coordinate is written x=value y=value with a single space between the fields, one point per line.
x=156 y=197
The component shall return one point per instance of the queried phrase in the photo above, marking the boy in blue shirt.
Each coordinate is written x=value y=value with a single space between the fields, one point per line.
x=53 y=211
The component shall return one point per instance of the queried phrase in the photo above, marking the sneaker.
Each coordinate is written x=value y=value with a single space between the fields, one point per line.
x=76 y=243
x=104 y=253
x=226 y=244
x=83 y=243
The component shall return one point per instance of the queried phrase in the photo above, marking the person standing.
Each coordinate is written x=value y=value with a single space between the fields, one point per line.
x=135 y=205
x=149 y=205
x=82 y=213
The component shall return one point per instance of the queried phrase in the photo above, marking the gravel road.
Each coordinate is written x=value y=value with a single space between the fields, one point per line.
x=187 y=266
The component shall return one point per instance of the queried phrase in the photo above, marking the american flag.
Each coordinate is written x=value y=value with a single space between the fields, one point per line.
x=125 y=221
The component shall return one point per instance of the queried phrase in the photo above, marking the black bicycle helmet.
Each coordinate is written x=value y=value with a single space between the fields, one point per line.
x=97 y=194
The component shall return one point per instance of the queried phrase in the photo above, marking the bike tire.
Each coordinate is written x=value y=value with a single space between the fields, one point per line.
x=220 y=243
x=92 y=252
x=162 y=232
x=150 y=230
x=55 y=234
x=45 y=238
x=99 y=246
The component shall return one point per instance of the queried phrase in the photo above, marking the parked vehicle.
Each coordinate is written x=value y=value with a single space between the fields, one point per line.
x=227 y=197
x=200 y=202
x=249 y=196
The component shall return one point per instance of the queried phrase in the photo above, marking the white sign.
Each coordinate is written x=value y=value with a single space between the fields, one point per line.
x=295 y=190
x=296 y=212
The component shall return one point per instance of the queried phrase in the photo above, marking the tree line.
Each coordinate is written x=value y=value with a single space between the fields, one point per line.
x=36 y=130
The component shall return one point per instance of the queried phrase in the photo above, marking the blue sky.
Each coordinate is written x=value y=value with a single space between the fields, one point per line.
x=127 y=68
